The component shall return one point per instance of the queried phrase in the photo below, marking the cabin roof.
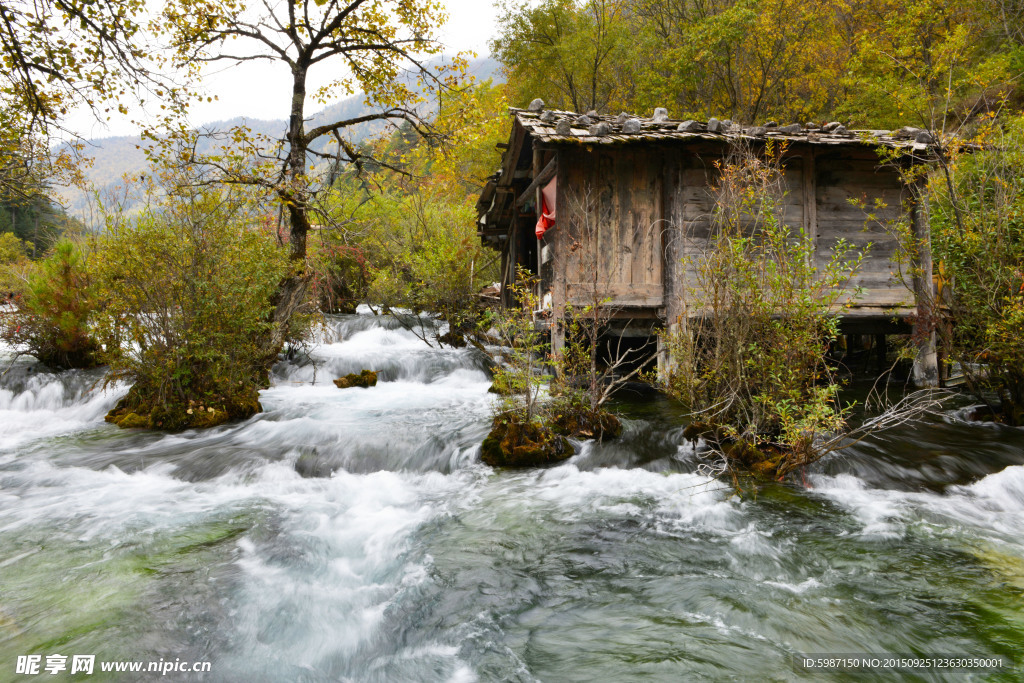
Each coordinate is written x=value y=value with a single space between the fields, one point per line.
x=591 y=129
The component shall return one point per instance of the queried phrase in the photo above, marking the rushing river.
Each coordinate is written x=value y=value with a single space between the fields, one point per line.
x=353 y=535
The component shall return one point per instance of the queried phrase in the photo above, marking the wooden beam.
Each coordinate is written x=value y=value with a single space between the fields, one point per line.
x=541 y=178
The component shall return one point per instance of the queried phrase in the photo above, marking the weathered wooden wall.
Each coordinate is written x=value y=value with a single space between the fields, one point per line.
x=818 y=187
x=632 y=218
x=847 y=175
x=608 y=238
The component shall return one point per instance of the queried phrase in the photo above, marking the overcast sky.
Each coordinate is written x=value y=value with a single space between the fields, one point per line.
x=260 y=90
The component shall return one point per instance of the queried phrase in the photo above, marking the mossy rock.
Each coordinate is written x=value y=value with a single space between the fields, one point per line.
x=81 y=355
x=136 y=411
x=768 y=466
x=761 y=460
x=582 y=422
x=366 y=378
x=453 y=339
x=702 y=430
x=130 y=420
x=745 y=454
x=513 y=444
x=1008 y=414
x=507 y=385
x=694 y=431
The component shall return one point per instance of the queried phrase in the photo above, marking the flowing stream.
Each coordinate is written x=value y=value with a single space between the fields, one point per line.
x=353 y=535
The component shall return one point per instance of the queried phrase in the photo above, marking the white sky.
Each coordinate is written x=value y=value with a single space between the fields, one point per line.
x=261 y=90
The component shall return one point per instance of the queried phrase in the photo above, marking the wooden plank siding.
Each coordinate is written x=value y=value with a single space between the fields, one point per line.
x=866 y=222
x=633 y=219
x=609 y=238
x=818 y=188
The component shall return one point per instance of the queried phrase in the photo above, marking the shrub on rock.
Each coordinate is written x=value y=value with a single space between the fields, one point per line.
x=582 y=422
x=188 y=290
x=513 y=443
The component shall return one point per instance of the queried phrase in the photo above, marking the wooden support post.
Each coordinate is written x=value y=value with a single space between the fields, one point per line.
x=509 y=278
x=557 y=331
x=557 y=241
x=926 y=364
x=538 y=199
x=666 y=362
x=810 y=201
x=881 y=352
x=505 y=279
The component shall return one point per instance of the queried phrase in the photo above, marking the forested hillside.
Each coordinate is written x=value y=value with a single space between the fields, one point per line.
x=868 y=63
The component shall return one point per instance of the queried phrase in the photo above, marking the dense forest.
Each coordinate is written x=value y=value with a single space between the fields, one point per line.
x=869 y=64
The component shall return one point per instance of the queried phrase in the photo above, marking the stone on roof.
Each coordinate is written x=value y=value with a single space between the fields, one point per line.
x=552 y=126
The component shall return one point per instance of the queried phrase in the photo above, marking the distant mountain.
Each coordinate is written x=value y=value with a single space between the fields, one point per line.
x=115 y=157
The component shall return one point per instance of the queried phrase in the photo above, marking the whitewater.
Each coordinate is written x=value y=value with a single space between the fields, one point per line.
x=353 y=535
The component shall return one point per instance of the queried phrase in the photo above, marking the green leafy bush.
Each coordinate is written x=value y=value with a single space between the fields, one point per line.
x=404 y=250
x=978 y=250
x=523 y=432
x=53 y=309
x=188 y=292
x=749 y=361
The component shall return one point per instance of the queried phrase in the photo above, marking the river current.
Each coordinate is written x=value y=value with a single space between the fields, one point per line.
x=353 y=535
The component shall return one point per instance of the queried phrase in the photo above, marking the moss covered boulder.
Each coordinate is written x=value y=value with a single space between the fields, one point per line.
x=512 y=443
x=507 y=384
x=761 y=459
x=366 y=378
x=139 y=410
x=453 y=339
x=584 y=423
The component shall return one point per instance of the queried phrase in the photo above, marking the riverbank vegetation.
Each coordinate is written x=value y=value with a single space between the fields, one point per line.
x=187 y=289
x=978 y=244
x=56 y=300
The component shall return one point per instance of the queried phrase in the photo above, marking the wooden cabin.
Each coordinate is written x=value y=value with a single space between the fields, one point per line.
x=641 y=193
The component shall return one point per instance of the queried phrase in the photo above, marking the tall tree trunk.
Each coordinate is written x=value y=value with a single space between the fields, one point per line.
x=291 y=292
x=295 y=191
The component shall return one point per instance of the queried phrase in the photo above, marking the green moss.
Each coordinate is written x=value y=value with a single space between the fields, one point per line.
x=89 y=597
x=762 y=460
x=582 y=422
x=366 y=378
x=507 y=384
x=511 y=443
x=130 y=421
x=137 y=411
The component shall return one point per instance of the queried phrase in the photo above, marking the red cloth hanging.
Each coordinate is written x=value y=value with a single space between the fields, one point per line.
x=547 y=209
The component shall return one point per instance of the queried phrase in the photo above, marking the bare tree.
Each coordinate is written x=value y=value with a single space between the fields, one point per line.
x=377 y=47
